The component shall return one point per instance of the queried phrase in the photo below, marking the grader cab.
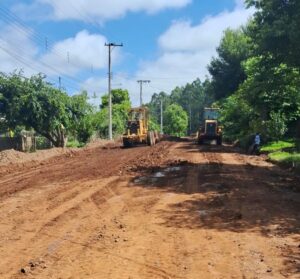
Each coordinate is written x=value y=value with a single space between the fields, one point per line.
x=211 y=130
x=137 y=130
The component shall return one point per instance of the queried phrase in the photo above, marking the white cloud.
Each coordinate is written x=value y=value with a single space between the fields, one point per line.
x=187 y=49
x=99 y=10
x=15 y=50
x=19 y=49
x=182 y=36
x=79 y=53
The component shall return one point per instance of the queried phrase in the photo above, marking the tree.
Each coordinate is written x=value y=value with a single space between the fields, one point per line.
x=176 y=120
x=236 y=117
x=191 y=98
x=155 y=106
x=120 y=107
x=226 y=70
x=272 y=87
x=35 y=104
x=82 y=117
x=276 y=126
x=276 y=29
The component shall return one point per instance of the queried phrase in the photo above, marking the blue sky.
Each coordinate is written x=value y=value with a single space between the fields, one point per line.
x=169 y=42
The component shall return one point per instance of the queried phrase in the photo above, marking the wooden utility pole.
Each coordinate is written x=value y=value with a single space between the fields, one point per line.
x=161 y=117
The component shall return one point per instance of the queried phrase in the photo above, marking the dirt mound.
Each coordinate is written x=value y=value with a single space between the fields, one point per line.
x=15 y=157
x=12 y=156
x=153 y=158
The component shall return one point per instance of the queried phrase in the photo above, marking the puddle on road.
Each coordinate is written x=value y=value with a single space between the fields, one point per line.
x=203 y=212
x=145 y=180
x=159 y=176
x=172 y=169
x=181 y=179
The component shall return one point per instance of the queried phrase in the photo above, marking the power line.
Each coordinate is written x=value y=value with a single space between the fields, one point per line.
x=28 y=64
x=17 y=24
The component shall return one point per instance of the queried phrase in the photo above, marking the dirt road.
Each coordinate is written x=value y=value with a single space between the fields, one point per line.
x=175 y=210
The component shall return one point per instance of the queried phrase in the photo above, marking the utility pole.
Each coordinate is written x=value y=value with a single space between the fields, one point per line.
x=110 y=48
x=161 y=118
x=141 y=89
x=59 y=82
x=190 y=112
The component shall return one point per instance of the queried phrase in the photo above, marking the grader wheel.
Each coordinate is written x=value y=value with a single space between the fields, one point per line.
x=150 y=138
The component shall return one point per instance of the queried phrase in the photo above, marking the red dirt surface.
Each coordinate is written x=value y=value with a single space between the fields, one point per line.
x=175 y=210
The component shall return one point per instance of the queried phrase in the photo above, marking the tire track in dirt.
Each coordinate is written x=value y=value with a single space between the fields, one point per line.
x=46 y=219
x=194 y=212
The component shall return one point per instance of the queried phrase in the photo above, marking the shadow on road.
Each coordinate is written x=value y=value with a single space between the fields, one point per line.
x=227 y=197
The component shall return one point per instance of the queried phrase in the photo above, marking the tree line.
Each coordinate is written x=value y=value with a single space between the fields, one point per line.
x=256 y=75
x=254 y=79
x=33 y=104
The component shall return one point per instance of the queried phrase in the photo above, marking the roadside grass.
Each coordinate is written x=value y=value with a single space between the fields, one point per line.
x=282 y=156
x=283 y=152
x=74 y=144
x=278 y=146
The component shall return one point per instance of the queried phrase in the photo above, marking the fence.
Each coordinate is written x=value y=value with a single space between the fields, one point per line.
x=23 y=143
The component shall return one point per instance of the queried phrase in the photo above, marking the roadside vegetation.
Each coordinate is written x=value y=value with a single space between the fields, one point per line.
x=283 y=152
x=255 y=78
x=261 y=60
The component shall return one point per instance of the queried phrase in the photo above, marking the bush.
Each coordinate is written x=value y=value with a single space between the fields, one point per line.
x=276 y=127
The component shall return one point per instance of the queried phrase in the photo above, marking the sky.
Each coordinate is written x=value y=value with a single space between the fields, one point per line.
x=169 y=42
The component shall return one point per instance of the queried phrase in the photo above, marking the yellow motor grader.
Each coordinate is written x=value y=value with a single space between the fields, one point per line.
x=211 y=130
x=137 y=130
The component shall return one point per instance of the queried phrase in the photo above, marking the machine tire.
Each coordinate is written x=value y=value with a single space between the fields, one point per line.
x=156 y=136
x=150 y=138
x=154 y=139
x=200 y=141
x=127 y=143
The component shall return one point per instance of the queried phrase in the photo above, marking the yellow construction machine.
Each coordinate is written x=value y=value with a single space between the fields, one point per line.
x=137 y=131
x=211 y=130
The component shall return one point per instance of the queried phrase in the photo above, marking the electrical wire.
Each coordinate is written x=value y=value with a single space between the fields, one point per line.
x=17 y=24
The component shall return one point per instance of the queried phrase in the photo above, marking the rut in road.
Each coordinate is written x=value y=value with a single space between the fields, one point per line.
x=175 y=210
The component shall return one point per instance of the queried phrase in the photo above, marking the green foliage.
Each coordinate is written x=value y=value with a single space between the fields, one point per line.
x=155 y=105
x=73 y=143
x=176 y=120
x=35 y=104
x=257 y=71
x=118 y=96
x=276 y=29
x=277 y=146
x=153 y=126
x=285 y=157
x=120 y=108
x=276 y=126
x=272 y=88
x=284 y=152
x=226 y=70
x=82 y=125
x=192 y=97
x=236 y=116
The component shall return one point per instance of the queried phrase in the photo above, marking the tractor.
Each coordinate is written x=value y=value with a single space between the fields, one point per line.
x=137 y=130
x=211 y=130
